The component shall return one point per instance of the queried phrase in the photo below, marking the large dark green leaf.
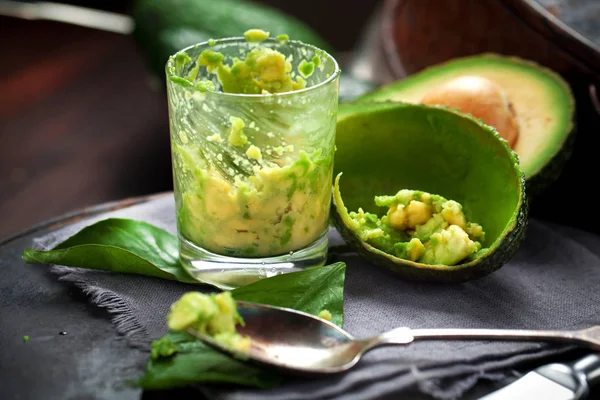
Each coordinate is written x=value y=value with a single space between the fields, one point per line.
x=195 y=362
x=135 y=247
x=310 y=291
x=118 y=245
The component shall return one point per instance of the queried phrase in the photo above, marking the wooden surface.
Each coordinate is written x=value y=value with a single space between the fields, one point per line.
x=80 y=122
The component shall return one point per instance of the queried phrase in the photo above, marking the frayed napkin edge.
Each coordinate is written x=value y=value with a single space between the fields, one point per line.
x=121 y=315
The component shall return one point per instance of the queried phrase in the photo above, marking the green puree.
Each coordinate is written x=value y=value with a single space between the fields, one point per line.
x=274 y=211
x=263 y=70
x=281 y=201
x=421 y=227
x=214 y=315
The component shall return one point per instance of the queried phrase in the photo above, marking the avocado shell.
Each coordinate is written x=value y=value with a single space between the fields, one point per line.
x=385 y=147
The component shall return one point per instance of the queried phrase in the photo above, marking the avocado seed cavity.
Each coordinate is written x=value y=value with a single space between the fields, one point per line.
x=481 y=98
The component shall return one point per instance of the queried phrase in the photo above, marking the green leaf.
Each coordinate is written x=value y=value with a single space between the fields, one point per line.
x=195 y=362
x=118 y=245
x=311 y=291
x=179 y=359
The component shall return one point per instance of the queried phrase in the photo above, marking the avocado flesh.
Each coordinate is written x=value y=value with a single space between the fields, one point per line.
x=542 y=100
x=418 y=226
x=382 y=148
x=212 y=315
x=163 y=27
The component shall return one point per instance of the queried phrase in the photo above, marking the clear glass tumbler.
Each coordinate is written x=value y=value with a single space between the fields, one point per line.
x=252 y=172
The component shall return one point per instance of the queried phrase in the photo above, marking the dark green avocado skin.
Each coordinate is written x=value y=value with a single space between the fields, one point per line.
x=474 y=270
x=539 y=183
x=385 y=118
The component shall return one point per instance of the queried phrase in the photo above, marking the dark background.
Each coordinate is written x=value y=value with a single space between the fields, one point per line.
x=82 y=119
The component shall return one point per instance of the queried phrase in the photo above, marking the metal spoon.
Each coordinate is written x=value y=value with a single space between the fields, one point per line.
x=298 y=342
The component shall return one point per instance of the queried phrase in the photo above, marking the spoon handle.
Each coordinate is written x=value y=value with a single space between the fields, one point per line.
x=590 y=336
x=497 y=334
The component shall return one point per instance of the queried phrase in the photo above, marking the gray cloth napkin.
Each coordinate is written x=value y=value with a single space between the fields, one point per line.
x=552 y=283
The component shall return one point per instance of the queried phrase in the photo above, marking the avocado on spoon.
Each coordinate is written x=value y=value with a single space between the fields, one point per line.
x=297 y=342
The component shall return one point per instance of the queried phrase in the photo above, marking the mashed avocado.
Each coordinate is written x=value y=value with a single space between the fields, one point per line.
x=421 y=227
x=262 y=71
x=283 y=38
x=162 y=348
x=256 y=35
x=214 y=315
x=251 y=180
x=325 y=314
x=275 y=210
x=236 y=133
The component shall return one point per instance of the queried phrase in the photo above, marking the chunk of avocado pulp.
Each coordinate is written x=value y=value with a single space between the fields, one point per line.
x=214 y=315
x=542 y=102
x=164 y=27
x=382 y=147
x=419 y=226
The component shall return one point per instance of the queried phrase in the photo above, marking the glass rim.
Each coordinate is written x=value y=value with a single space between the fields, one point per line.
x=213 y=42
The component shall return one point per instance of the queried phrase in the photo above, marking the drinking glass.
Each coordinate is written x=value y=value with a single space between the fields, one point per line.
x=251 y=172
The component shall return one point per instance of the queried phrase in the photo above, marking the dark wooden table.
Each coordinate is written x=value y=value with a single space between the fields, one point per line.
x=81 y=122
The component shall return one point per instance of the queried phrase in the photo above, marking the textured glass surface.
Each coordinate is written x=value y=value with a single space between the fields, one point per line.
x=252 y=173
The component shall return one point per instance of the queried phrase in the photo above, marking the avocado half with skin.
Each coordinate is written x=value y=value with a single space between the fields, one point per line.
x=385 y=147
x=542 y=102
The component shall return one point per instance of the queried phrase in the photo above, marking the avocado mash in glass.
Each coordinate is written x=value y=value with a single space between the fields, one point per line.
x=252 y=134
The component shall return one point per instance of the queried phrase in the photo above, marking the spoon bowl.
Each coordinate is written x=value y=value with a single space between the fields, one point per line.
x=297 y=340
x=300 y=343
x=291 y=340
